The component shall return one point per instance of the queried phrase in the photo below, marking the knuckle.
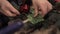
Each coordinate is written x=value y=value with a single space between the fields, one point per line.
x=2 y=7
x=12 y=15
x=42 y=2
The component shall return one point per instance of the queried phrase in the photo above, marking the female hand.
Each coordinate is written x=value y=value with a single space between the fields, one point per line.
x=7 y=9
x=43 y=5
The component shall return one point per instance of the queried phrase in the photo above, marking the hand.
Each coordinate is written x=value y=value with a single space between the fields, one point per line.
x=7 y=9
x=43 y=5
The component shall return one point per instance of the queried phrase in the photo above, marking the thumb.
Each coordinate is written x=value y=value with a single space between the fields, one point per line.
x=35 y=9
x=35 y=12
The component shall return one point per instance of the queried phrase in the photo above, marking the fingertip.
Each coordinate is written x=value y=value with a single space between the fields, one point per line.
x=17 y=12
x=13 y=10
x=36 y=13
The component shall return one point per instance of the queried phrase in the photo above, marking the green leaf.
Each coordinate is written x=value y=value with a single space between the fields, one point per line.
x=33 y=19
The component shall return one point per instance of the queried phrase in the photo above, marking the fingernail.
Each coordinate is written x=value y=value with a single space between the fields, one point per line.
x=18 y=12
x=35 y=15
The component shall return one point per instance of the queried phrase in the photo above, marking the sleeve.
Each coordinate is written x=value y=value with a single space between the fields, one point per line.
x=52 y=2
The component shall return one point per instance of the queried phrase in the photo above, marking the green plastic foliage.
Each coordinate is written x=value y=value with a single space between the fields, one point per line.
x=33 y=19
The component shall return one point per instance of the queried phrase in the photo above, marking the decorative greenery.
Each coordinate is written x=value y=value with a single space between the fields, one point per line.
x=33 y=19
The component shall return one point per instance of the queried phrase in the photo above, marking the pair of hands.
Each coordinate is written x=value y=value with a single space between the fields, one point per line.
x=43 y=5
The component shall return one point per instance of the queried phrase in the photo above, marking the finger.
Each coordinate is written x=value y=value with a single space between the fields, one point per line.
x=36 y=10
x=49 y=6
x=43 y=7
x=12 y=9
x=6 y=12
x=10 y=14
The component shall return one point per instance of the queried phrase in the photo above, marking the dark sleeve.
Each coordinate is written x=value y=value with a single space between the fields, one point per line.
x=52 y=2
